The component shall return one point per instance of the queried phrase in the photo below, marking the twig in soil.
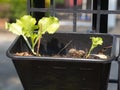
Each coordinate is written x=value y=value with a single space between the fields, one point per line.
x=65 y=47
x=104 y=49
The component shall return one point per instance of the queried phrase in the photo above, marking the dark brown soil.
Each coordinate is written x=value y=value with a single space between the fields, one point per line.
x=72 y=53
x=23 y=54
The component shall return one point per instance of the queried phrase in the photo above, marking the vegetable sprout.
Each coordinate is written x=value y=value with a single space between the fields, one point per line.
x=95 y=42
x=26 y=27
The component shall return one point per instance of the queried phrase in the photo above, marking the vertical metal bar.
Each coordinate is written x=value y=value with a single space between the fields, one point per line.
x=94 y=17
x=118 y=84
x=98 y=16
x=28 y=6
x=39 y=4
x=52 y=6
x=104 y=18
x=75 y=16
x=100 y=21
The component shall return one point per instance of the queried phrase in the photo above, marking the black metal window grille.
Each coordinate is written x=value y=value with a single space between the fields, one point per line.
x=99 y=12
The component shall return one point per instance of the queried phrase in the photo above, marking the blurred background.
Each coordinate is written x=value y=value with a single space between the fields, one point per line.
x=12 y=9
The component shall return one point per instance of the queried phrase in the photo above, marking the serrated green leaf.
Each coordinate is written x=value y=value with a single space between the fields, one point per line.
x=96 y=41
x=48 y=24
x=15 y=28
x=27 y=23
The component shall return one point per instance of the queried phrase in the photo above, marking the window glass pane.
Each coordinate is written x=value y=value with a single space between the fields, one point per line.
x=84 y=4
x=66 y=22
x=84 y=22
x=114 y=23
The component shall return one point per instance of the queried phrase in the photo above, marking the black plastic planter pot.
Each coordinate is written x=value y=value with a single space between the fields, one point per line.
x=53 y=73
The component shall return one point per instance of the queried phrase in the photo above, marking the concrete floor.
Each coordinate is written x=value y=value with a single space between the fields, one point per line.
x=8 y=77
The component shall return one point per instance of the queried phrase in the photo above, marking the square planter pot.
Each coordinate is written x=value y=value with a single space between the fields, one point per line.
x=53 y=73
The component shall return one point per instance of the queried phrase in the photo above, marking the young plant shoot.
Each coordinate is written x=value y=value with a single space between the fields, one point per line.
x=26 y=27
x=95 y=42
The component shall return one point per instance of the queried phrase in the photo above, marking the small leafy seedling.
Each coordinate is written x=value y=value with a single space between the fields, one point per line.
x=95 y=42
x=26 y=27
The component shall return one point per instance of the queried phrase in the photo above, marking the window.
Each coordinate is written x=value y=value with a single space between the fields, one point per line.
x=74 y=15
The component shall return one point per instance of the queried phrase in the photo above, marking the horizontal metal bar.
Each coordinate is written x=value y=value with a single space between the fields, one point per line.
x=39 y=10
x=75 y=11
x=113 y=81
x=109 y=11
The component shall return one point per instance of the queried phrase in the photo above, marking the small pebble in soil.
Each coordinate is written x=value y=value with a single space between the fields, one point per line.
x=76 y=53
x=23 y=54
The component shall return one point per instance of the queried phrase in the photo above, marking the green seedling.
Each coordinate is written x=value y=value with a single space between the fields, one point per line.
x=27 y=25
x=95 y=42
